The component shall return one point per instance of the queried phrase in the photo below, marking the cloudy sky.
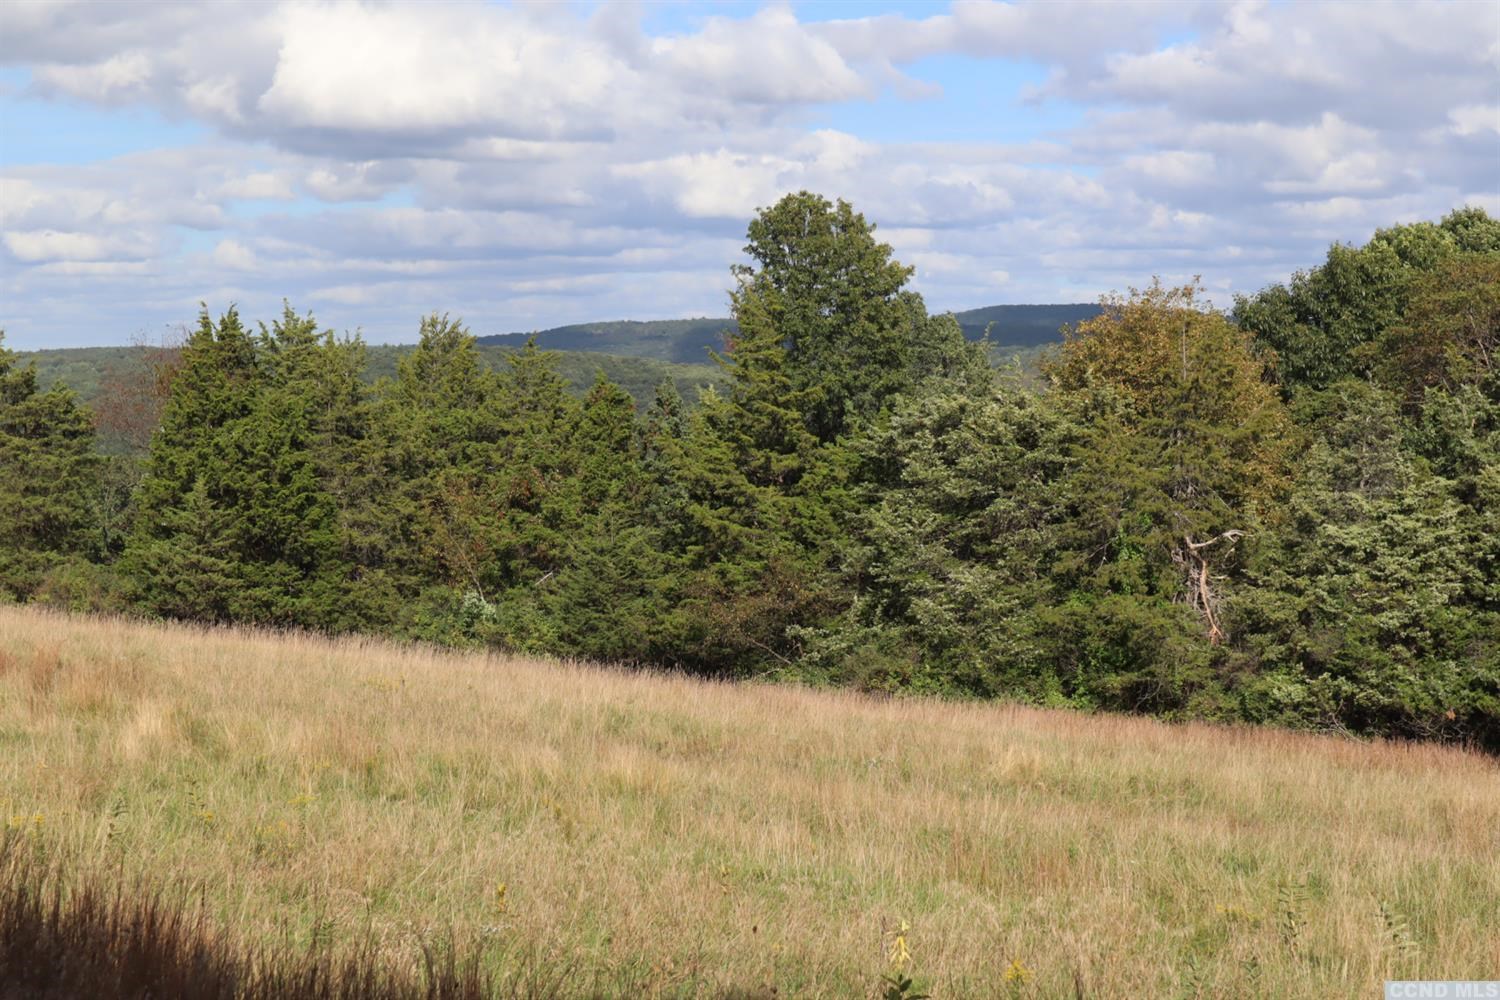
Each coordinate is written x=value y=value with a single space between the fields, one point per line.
x=530 y=165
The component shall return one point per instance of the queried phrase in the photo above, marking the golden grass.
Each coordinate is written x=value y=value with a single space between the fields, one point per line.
x=704 y=837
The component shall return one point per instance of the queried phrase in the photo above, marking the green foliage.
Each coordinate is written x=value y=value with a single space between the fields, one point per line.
x=1181 y=464
x=764 y=419
x=436 y=427
x=104 y=378
x=1450 y=334
x=957 y=513
x=854 y=336
x=1323 y=324
x=1288 y=518
x=49 y=480
x=236 y=519
x=1374 y=605
x=753 y=557
x=900 y=986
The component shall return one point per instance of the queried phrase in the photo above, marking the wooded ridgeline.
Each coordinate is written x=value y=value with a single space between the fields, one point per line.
x=1287 y=514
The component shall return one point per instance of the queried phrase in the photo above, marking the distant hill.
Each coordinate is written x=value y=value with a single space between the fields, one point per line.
x=1025 y=325
x=638 y=376
x=635 y=354
x=685 y=341
x=688 y=341
x=86 y=370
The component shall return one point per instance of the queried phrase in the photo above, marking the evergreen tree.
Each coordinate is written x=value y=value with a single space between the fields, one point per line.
x=537 y=469
x=1369 y=609
x=436 y=428
x=607 y=441
x=613 y=595
x=742 y=572
x=319 y=378
x=764 y=419
x=958 y=512
x=180 y=558
x=235 y=519
x=49 y=480
x=665 y=500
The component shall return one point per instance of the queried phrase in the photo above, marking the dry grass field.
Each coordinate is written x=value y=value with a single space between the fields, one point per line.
x=661 y=836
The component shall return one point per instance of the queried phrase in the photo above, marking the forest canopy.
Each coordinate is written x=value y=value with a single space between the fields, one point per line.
x=1285 y=513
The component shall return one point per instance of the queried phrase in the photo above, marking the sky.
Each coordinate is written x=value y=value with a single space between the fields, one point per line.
x=529 y=165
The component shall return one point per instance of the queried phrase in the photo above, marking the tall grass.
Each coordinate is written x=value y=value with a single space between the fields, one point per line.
x=67 y=940
x=655 y=835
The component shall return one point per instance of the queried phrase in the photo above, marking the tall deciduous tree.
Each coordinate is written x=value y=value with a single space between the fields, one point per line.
x=837 y=299
x=1449 y=335
x=1185 y=457
x=1324 y=323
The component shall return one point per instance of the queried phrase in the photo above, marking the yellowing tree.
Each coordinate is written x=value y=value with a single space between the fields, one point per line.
x=1188 y=445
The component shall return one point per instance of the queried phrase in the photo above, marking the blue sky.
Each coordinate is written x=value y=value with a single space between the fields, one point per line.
x=528 y=166
x=37 y=130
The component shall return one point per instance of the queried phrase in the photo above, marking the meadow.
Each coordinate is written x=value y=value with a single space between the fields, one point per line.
x=595 y=831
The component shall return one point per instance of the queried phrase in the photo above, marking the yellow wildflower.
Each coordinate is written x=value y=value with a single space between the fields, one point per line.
x=900 y=954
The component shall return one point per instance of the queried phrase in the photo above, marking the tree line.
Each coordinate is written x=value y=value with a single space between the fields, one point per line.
x=1283 y=514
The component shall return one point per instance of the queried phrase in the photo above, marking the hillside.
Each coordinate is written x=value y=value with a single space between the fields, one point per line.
x=85 y=368
x=638 y=376
x=680 y=340
x=1024 y=325
x=656 y=835
x=689 y=340
x=636 y=355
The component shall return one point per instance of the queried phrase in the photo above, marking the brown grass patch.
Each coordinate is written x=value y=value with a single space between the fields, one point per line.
x=692 y=839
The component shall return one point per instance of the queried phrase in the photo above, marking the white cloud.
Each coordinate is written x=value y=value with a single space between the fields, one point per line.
x=39 y=246
x=347 y=295
x=216 y=99
x=348 y=182
x=1176 y=167
x=432 y=68
x=1390 y=65
x=259 y=185
x=1472 y=119
x=529 y=165
x=722 y=184
x=769 y=59
x=118 y=78
x=94 y=268
x=234 y=256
